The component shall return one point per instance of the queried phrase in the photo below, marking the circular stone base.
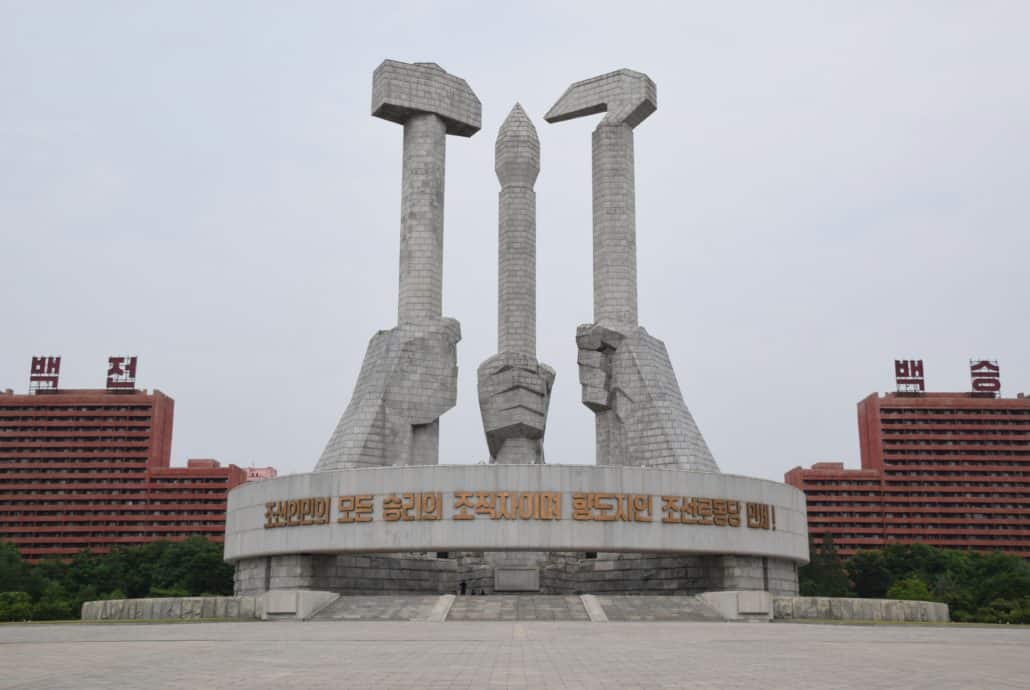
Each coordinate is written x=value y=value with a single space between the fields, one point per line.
x=580 y=528
x=555 y=573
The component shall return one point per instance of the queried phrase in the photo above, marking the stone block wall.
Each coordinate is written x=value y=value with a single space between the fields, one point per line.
x=611 y=573
x=560 y=573
x=171 y=608
x=839 y=608
x=350 y=574
x=782 y=577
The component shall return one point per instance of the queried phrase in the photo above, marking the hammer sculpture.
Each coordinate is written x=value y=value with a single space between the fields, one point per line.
x=514 y=388
x=409 y=376
x=626 y=375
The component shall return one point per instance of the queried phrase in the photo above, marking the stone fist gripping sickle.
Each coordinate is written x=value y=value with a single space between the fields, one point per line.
x=626 y=374
x=410 y=373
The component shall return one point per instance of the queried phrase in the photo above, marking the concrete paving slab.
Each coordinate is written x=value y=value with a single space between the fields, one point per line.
x=315 y=655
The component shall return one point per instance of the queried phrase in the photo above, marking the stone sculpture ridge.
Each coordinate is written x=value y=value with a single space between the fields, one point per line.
x=400 y=90
x=627 y=96
x=409 y=376
x=656 y=517
x=626 y=375
x=514 y=388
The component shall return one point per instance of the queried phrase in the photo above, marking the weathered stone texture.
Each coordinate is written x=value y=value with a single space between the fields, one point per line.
x=171 y=608
x=627 y=378
x=408 y=379
x=409 y=376
x=840 y=608
x=559 y=573
x=514 y=387
x=514 y=394
x=422 y=217
x=641 y=418
x=626 y=96
x=400 y=90
x=518 y=607
x=397 y=607
x=252 y=576
x=517 y=164
x=641 y=608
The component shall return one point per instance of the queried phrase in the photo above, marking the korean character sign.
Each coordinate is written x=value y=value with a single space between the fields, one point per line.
x=121 y=372
x=986 y=376
x=413 y=506
x=908 y=375
x=354 y=508
x=44 y=373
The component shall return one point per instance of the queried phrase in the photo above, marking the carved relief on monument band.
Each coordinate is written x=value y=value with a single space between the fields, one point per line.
x=524 y=505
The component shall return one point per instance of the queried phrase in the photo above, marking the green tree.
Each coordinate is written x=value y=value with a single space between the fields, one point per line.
x=869 y=574
x=15 y=606
x=15 y=574
x=911 y=588
x=824 y=576
x=194 y=565
x=53 y=604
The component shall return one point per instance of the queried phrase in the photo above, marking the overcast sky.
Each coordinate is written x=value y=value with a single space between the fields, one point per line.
x=823 y=188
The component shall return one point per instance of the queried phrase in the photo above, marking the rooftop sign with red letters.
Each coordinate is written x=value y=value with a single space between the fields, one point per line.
x=44 y=373
x=908 y=375
x=986 y=377
x=121 y=373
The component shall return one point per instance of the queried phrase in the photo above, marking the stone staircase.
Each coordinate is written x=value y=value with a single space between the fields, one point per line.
x=393 y=607
x=518 y=607
x=630 y=607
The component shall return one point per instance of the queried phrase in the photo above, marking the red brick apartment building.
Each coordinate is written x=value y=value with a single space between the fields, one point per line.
x=90 y=469
x=945 y=469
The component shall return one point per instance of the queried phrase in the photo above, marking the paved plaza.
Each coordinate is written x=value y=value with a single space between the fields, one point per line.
x=425 y=656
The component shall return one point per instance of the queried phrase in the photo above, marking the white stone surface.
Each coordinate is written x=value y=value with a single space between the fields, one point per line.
x=401 y=89
x=627 y=97
x=514 y=387
x=246 y=536
x=733 y=606
x=852 y=609
x=441 y=608
x=516 y=579
x=407 y=381
x=626 y=374
x=641 y=418
x=300 y=604
x=593 y=608
x=409 y=375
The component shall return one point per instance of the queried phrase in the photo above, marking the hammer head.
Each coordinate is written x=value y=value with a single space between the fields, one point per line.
x=400 y=90
x=627 y=96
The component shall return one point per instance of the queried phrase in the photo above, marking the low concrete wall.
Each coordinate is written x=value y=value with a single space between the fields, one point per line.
x=844 y=609
x=297 y=604
x=171 y=608
x=747 y=605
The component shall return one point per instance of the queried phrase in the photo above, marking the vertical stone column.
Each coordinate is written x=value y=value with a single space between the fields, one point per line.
x=422 y=195
x=615 y=227
x=626 y=375
x=516 y=277
x=410 y=374
x=514 y=388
